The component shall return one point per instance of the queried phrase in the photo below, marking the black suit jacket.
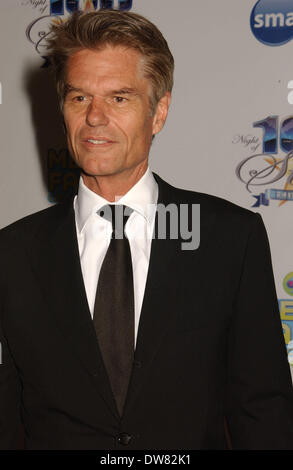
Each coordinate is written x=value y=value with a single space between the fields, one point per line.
x=210 y=345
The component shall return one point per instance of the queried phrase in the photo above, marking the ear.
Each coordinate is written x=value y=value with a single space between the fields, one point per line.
x=161 y=113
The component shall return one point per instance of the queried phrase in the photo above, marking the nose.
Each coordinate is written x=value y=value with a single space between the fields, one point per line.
x=97 y=113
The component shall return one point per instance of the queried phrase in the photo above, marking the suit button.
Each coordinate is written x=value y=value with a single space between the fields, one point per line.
x=137 y=364
x=124 y=438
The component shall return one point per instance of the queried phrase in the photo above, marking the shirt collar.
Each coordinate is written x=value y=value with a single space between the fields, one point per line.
x=142 y=198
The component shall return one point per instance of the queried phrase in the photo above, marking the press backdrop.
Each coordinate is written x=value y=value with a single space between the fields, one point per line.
x=230 y=128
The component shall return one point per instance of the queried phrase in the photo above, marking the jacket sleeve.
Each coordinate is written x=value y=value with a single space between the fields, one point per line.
x=11 y=433
x=259 y=407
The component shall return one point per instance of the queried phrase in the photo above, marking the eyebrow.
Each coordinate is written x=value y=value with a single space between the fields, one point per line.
x=68 y=88
x=122 y=91
x=125 y=91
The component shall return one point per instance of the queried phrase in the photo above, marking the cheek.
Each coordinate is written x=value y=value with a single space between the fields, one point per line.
x=138 y=131
x=72 y=121
x=72 y=134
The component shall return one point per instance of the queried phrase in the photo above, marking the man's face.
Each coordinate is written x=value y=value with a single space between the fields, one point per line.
x=107 y=111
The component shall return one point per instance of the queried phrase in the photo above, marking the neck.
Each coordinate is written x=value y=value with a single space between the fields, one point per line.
x=113 y=187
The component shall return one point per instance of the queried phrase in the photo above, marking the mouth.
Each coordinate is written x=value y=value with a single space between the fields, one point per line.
x=98 y=141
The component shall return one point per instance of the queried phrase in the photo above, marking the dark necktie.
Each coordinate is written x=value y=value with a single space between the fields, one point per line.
x=114 y=305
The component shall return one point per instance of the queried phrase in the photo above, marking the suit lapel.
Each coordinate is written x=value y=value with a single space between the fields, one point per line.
x=56 y=263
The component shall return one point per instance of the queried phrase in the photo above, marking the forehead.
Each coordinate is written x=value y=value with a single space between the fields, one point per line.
x=109 y=64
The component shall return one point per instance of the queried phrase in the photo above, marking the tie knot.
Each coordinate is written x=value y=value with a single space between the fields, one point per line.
x=118 y=215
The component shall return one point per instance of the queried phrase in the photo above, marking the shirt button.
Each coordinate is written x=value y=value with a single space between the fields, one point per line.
x=124 y=438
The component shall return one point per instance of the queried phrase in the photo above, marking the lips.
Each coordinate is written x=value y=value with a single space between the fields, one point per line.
x=97 y=142
x=100 y=140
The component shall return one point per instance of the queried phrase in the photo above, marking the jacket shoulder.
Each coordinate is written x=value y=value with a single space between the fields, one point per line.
x=210 y=204
x=27 y=226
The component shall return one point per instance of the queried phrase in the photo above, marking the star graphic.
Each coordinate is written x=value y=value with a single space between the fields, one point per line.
x=88 y=6
x=272 y=162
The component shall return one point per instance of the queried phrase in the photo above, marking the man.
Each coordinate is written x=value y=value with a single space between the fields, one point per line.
x=130 y=341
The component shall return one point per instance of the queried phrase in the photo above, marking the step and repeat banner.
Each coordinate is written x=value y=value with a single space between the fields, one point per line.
x=230 y=127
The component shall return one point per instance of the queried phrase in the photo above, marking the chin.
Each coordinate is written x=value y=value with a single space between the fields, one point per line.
x=91 y=170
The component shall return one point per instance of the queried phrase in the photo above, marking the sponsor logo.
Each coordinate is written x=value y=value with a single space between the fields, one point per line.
x=39 y=29
x=271 y=21
x=265 y=166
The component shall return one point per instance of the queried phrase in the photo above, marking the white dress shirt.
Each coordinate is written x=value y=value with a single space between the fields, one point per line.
x=94 y=232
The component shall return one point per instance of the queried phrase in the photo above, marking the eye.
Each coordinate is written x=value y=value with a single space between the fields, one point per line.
x=79 y=98
x=119 y=99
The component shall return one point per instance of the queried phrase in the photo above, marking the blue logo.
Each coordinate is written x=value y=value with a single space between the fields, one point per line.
x=271 y=21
